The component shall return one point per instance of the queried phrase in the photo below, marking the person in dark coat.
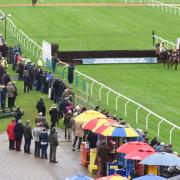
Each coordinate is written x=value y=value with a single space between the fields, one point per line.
x=18 y=114
x=103 y=152
x=154 y=141
x=3 y=92
x=67 y=125
x=28 y=137
x=54 y=113
x=26 y=80
x=53 y=141
x=18 y=132
x=92 y=139
x=54 y=61
x=6 y=78
x=15 y=93
x=44 y=143
x=40 y=106
x=70 y=73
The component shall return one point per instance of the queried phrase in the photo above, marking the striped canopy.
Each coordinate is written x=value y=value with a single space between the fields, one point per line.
x=93 y=124
x=116 y=130
x=89 y=115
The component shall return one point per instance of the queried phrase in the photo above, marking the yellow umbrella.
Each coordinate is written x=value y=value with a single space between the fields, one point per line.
x=89 y=115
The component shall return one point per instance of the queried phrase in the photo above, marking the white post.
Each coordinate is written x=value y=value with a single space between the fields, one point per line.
x=92 y=88
x=159 y=127
x=117 y=102
x=147 y=120
x=137 y=110
x=100 y=92
x=107 y=97
x=126 y=107
x=170 y=135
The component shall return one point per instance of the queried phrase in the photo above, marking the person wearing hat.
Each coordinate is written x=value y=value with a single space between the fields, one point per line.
x=53 y=141
x=40 y=106
x=67 y=125
x=18 y=114
x=54 y=113
x=27 y=136
x=36 y=134
x=18 y=132
x=44 y=143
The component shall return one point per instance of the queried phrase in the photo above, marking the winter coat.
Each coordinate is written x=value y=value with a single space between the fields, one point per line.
x=40 y=119
x=10 y=90
x=27 y=132
x=67 y=121
x=54 y=115
x=41 y=107
x=10 y=131
x=18 y=115
x=18 y=131
x=53 y=139
x=103 y=152
x=92 y=139
x=36 y=133
x=43 y=137
x=79 y=131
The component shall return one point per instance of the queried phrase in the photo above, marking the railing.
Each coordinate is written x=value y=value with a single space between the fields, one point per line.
x=25 y=41
x=93 y=82
x=169 y=8
x=168 y=44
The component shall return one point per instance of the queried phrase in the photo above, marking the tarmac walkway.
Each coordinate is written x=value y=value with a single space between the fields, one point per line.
x=20 y=166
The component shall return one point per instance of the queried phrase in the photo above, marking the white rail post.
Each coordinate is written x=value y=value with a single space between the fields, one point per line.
x=126 y=107
x=159 y=127
x=170 y=135
x=107 y=97
x=92 y=84
x=100 y=92
x=137 y=110
x=117 y=102
x=147 y=120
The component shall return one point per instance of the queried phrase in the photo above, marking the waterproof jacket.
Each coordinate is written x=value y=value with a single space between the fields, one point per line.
x=27 y=132
x=18 y=131
x=53 y=139
x=10 y=131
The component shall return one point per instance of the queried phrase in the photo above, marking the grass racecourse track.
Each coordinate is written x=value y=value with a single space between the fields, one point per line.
x=95 y=28
x=106 y=28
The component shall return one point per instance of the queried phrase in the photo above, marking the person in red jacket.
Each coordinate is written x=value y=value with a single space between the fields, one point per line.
x=10 y=132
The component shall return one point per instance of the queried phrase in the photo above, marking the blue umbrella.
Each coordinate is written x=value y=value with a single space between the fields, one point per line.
x=150 y=177
x=79 y=177
x=162 y=159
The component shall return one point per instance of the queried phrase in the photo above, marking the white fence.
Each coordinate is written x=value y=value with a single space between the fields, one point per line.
x=169 y=44
x=35 y=49
x=168 y=8
x=127 y=102
x=25 y=41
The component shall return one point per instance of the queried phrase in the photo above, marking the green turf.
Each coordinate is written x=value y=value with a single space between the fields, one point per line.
x=93 y=28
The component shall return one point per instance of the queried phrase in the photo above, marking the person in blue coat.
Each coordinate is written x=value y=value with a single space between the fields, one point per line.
x=44 y=143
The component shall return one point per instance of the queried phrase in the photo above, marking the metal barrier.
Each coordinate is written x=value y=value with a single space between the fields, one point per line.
x=168 y=8
x=127 y=102
x=167 y=43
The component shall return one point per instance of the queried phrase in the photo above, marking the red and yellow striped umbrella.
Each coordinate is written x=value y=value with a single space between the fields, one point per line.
x=113 y=177
x=93 y=124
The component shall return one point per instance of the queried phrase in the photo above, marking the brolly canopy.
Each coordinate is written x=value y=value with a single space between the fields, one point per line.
x=89 y=115
x=79 y=177
x=162 y=159
x=116 y=130
x=139 y=154
x=150 y=177
x=113 y=177
x=133 y=145
x=97 y=122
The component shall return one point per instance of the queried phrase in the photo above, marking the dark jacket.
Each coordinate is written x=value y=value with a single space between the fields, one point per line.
x=41 y=107
x=27 y=132
x=53 y=139
x=18 y=131
x=54 y=113
x=92 y=139
x=67 y=121
x=18 y=115
x=103 y=152
x=44 y=137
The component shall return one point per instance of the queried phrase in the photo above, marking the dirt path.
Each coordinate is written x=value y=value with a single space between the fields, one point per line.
x=82 y=5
